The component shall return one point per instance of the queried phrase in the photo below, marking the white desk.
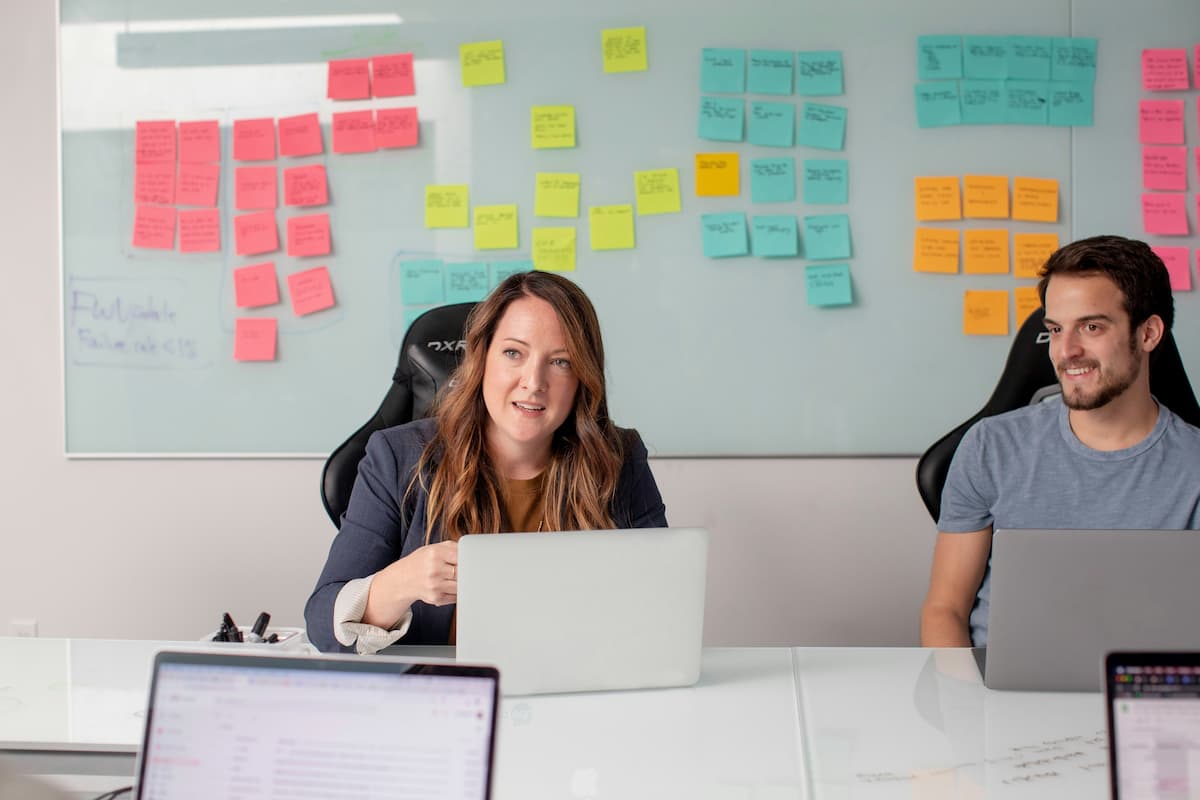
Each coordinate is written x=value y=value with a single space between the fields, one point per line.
x=762 y=724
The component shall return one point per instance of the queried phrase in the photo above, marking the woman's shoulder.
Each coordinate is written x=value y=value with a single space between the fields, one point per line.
x=632 y=444
x=406 y=441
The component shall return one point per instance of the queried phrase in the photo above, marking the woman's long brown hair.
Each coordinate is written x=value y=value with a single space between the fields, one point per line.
x=586 y=452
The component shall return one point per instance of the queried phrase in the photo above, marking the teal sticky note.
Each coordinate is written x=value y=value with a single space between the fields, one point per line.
x=502 y=269
x=773 y=180
x=823 y=126
x=466 y=282
x=724 y=235
x=985 y=58
x=722 y=119
x=819 y=73
x=939 y=57
x=827 y=236
x=1026 y=102
x=828 y=285
x=723 y=71
x=982 y=102
x=772 y=124
x=1073 y=60
x=1029 y=57
x=770 y=72
x=1071 y=103
x=937 y=104
x=774 y=237
x=826 y=181
x=421 y=283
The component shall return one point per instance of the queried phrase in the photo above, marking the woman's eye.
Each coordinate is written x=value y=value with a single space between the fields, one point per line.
x=561 y=362
x=510 y=353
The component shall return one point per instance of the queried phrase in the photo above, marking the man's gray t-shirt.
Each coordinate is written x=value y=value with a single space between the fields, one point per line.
x=1027 y=469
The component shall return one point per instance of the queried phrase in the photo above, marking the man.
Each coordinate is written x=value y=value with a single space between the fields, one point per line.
x=1108 y=456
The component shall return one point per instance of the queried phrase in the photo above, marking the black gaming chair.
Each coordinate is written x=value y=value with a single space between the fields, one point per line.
x=431 y=350
x=1028 y=373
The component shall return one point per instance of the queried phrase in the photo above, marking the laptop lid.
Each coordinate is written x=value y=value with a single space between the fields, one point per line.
x=1061 y=599
x=584 y=610
x=1153 y=702
x=226 y=725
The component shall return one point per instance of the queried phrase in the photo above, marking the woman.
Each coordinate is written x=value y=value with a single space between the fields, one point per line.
x=520 y=440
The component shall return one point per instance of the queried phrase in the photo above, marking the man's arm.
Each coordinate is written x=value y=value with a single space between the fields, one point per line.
x=959 y=561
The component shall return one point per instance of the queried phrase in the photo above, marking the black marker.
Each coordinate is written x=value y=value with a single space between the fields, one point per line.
x=234 y=633
x=260 y=627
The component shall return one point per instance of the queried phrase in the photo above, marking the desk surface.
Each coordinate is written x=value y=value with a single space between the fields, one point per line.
x=762 y=723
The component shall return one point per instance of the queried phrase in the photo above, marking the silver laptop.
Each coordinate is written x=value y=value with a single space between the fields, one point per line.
x=1061 y=599
x=231 y=725
x=584 y=611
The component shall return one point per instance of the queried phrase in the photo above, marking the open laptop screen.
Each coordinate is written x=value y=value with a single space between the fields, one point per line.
x=226 y=726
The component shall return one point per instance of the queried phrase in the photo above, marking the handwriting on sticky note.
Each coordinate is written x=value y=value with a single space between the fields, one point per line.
x=939 y=57
x=773 y=180
x=1035 y=199
x=985 y=313
x=501 y=270
x=1164 y=70
x=1165 y=214
x=717 y=175
x=421 y=282
x=554 y=249
x=200 y=231
x=392 y=76
x=482 y=63
x=722 y=119
x=822 y=126
x=1160 y=121
x=657 y=191
x=154 y=183
x=349 y=79
x=308 y=235
x=723 y=70
x=254 y=339
x=154 y=227
x=255 y=285
x=496 y=227
x=611 y=227
x=1030 y=251
x=828 y=285
x=770 y=72
x=154 y=140
x=396 y=127
x=724 y=235
x=985 y=196
x=467 y=282
x=819 y=72
x=772 y=124
x=827 y=236
x=826 y=181
x=1164 y=168
x=354 y=132
x=774 y=236
x=935 y=250
x=446 y=206
x=552 y=126
x=1178 y=263
x=305 y=186
x=310 y=290
x=556 y=194
x=255 y=188
x=199 y=142
x=255 y=233
x=624 y=49
x=254 y=139
x=197 y=184
x=1025 y=302
x=300 y=135
x=937 y=198
x=985 y=252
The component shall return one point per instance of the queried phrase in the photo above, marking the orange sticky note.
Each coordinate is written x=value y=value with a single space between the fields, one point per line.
x=154 y=141
x=985 y=196
x=935 y=250
x=396 y=127
x=1035 y=199
x=349 y=79
x=255 y=233
x=300 y=136
x=354 y=132
x=310 y=291
x=199 y=142
x=255 y=188
x=197 y=184
x=985 y=252
x=305 y=186
x=392 y=76
x=254 y=139
x=255 y=285
x=154 y=183
x=985 y=313
x=154 y=227
x=717 y=175
x=308 y=235
x=254 y=339
x=1030 y=251
x=200 y=231
x=937 y=198
x=1025 y=302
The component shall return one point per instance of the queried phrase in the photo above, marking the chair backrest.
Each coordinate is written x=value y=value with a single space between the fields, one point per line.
x=1028 y=370
x=431 y=350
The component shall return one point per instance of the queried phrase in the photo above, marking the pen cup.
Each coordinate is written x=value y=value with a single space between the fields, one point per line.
x=290 y=639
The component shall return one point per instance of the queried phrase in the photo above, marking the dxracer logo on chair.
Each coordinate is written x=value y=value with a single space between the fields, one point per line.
x=1042 y=338
x=447 y=345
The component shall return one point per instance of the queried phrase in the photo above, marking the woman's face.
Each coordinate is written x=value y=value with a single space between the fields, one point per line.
x=529 y=384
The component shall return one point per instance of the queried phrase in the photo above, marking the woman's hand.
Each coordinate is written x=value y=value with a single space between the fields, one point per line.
x=428 y=574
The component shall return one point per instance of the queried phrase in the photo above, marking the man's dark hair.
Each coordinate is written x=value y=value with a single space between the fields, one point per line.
x=1137 y=271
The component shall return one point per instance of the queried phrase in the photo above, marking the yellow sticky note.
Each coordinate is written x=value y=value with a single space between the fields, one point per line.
x=985 y=313
x=1030 y=251
x=496 y=227
x=717 y=175
x=554 y=249
x=482 y=63
x=1035 y=199
x=985 y=252
x=552 y=126
x=556 y=194
x=657 y=191
x=611 y=227
x=624 y=49
x=935 y=250
x=1025 y=302
x=446 y=206
x=937 y=198
x=985 y=196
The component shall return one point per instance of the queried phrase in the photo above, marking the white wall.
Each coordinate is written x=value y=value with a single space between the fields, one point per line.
x=805 y=551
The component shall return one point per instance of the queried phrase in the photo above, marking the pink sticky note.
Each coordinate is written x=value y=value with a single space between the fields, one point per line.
x=154 y=141
x=1179 y=264
x=349 y=79
x=255 y=188
x=154 y=182
x=256 y=285
x=396 y=127
x=254 y=338
x=199 y=142
x=308 y=235
x=197 y=185
x=1160 y=122
x=154 y=227
x=1196 y=65
x=255 y=233
x=310 y=291
x=305 y=186
x=1165 y=214
x=1164 y=70
x=1164 y=168
x=354 y=132
x=253 y=139
x=200 y=231
x=300 y=136
x=392 y=76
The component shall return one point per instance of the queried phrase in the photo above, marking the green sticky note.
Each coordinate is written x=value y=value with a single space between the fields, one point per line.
x=1026 y=102
x=826 y=181
x=496 y=227
x=985 y=58
x=937 y=104
x=1029 y=57
x=502 y=269
x=773 y=180
x=1071 y=103
x=722 y=119
x=772 y=124
x=774 y=237
x=982 y=102
x=466 y=283
x=939 y=57
x=1073 y=60
x=770 y=72
x=819 y=73
x=823 y=126
x=827 y=236
x=421 y=283
x=556 y=194
x=724 y=235
x=722 y=70
x=482 y=63
x=828 y=285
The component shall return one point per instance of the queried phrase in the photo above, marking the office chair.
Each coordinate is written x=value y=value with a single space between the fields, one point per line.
x=1028 y=377
x=431 y=350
